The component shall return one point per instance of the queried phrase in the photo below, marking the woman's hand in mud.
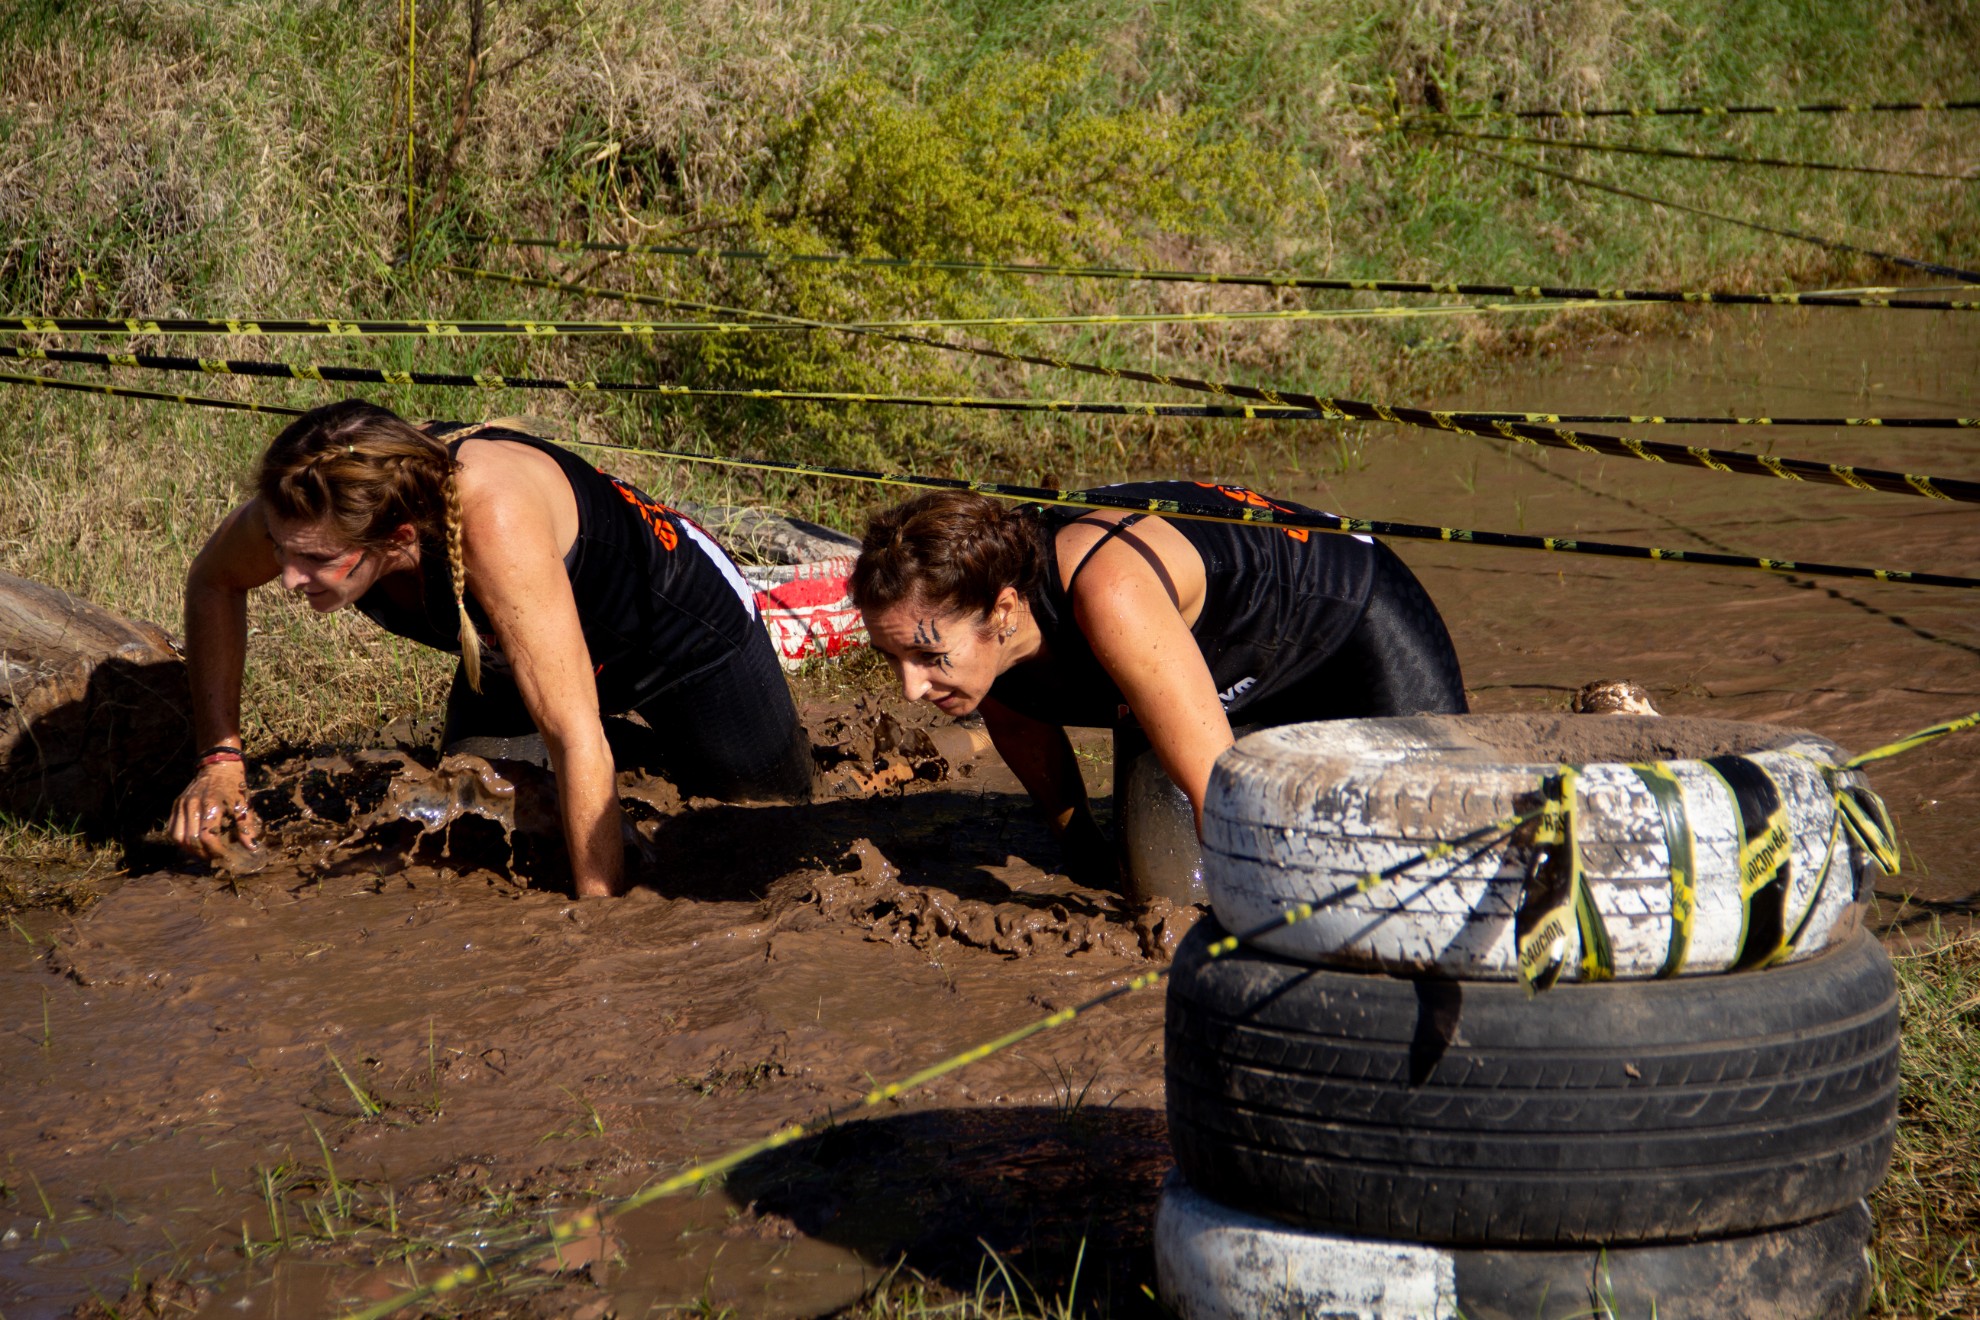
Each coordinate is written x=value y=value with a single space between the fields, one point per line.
x=600 y=887
x=212 y=817
x=1088 y=855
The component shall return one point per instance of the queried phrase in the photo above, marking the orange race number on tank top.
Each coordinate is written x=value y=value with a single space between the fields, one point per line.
x=1256 y=501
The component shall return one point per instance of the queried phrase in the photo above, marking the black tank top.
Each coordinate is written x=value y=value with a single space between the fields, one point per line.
x=657 y=599
x=1277 y=603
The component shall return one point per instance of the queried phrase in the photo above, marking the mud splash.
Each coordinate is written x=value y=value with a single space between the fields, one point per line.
x=385 y=810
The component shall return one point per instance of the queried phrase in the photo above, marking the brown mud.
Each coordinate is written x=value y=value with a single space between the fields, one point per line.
x=392 y=1032
x=1860 y=662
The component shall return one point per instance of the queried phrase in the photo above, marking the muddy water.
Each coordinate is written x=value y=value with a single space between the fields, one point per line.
x=1860 y=662
x=385 y=1037
x=381 y=1009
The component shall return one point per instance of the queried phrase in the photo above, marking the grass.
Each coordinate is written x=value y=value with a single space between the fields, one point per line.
x=1927 y=1249
x=47 y=866
x=167 y=156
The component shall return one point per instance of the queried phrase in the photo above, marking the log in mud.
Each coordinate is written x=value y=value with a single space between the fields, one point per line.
x=95 y=728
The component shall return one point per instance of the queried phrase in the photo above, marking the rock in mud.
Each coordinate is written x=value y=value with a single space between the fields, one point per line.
x=1613 y=696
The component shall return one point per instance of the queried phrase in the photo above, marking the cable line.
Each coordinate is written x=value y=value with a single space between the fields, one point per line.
x=1832 y=244
x=1261 y=514
x=1706 y=419
x=486 y=380
x=1713 y=157
x=1016 y=322
x=1259 y=280
x=1683 y=111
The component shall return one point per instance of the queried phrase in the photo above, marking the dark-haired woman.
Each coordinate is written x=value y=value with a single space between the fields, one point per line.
x=1170 y=629
x=568 y=594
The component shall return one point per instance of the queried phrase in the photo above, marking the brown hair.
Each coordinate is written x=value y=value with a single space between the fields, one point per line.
x=369 y=472
x=949 y=549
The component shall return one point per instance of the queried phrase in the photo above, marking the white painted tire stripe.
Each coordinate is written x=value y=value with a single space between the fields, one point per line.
x=1215 y=1263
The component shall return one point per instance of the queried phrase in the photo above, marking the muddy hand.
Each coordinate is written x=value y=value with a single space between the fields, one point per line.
x=1088 y=856
x=212 y=818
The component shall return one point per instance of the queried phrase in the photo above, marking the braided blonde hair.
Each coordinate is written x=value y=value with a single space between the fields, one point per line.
x=450 y=487
x=369 y=473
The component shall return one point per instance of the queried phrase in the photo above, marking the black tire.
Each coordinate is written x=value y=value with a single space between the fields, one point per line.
x=1215 y=1263
x=1470 y=1113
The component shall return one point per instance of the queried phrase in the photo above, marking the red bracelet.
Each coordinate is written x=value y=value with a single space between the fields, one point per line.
x=221 y=755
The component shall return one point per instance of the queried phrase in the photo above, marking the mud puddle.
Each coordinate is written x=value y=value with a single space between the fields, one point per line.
x=391 y=1025
x=399 y=1034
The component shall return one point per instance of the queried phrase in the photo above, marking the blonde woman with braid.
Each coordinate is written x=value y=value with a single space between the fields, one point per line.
x=569 y=595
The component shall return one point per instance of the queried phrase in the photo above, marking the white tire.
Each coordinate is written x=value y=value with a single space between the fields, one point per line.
x=1216 y=1263
x=1300 y=814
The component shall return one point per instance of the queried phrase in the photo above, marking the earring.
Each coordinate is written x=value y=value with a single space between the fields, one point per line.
x=1008 y=631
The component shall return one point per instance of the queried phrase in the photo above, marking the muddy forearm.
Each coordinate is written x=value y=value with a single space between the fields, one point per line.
x=1041 y=756
x=588 y=799
x=216 y=653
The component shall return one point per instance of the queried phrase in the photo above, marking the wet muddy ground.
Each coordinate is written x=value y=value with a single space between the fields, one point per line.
x=228 y=1094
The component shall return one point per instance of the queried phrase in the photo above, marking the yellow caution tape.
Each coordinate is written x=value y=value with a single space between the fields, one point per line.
x=1766 y=858
x=1668 y=794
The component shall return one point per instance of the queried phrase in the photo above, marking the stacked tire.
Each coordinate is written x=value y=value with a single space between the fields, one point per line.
x=1371 y=1114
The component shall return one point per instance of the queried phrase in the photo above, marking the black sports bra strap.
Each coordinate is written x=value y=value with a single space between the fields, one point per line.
x=1105 y=537
x=455 y=434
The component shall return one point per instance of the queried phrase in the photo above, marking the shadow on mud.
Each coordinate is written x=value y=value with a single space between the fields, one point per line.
x=952 y=840
x=1064 y=1195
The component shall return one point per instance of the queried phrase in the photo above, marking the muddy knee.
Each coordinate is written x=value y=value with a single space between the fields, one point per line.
x=1154 y=826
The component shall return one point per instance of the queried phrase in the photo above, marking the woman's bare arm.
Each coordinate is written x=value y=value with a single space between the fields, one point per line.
x=515 y=565
x=237 y=558
x=1041 y=756
x=1126 y=603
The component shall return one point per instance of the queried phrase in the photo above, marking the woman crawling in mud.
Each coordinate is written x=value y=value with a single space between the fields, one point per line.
x=1043 y=619
x=567 y=593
